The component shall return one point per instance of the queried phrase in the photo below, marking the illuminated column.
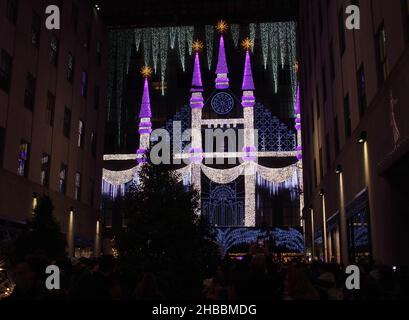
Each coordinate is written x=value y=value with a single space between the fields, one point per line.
x=249 y=149
x=343 y=222
x=196 y=105
x=222 y=80
x=250 y=194
x=97 y=247
x=145 y=124
x=312 y=234
x=299 y=149
x=324 y=227
x=70 y=233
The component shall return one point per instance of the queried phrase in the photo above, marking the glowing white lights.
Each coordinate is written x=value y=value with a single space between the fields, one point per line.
x=235 y=32
x=209 y=44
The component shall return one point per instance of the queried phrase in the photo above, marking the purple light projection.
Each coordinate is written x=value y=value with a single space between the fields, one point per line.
x=222 y=80
x=248 y=100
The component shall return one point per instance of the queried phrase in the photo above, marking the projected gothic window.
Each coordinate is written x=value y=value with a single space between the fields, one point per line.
x=223 y=205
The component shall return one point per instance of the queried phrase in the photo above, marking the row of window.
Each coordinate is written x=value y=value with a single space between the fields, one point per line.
x=12 y=14
x=23 y=160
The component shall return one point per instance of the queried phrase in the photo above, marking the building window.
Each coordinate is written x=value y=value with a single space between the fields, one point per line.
x=67 y=123
x=77 y=190
x=81 y=130
x=35 y=30
x=5 y=71
x=99 y=52
x=315 y=173
x=2 y=143
x=12 y=10
x=93 y=144
x=62 y=183
x=49 y=112
x=328 y=151
x=74 y=17
x=88 y=31
x=84 y=84
x=324 y=83
x=54 y=47
x=70 y=68
x=45 y=169
x=321 y=165
x=383 y=67
x=336 y=135
x=332 y=62
x=96 y=97
x=23 y=158
x=317 y=99
x=359 y=240
x=341 y=31
x=347 y=117
x=29 y=94
x=361 y=90
x=405 y=10
x=91 y=192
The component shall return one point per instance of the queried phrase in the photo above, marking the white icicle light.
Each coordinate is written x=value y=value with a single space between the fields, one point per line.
x=209 y=30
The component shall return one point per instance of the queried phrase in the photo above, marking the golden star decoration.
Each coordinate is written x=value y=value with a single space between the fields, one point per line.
x=146 y=71
x=197 y=45
x=222 y=26
x=247 y=44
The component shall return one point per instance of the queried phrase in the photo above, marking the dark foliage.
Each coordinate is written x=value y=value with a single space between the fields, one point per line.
x=165 y=236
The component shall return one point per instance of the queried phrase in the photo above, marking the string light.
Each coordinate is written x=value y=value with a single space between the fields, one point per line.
x=146 y=36
x=172 y=36
x=182 y=46
x=209 y=44
x=155 y=47
x=189 y=38
x=264 y=42
x=235 y=32
x=252 y=31
x=164 y=44
x=138 y=38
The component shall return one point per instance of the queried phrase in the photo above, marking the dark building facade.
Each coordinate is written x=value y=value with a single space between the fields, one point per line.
x=354 y=95
x=52 y=114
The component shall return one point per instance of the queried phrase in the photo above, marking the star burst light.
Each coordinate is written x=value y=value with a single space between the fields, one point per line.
x=222 y=26
x=247 y=44
x=146 y=71
x=197 y=45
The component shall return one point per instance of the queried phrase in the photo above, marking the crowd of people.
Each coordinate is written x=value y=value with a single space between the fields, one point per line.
x=254 y=277
x=259 y=277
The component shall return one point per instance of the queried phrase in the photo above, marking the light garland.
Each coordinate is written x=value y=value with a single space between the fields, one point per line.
x=189 y=39
x=209 y=44
x=155 y=36
x=235 y=32
x=182 y=46
x=138 y=38
x=252 y=31
x=172 y=37
x=146 y=37
x=222 y=176
x=264 y=42
x=164 y=44
x=116 y=178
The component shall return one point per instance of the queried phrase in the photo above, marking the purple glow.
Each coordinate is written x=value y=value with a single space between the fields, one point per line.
x=221 y=63
x=197 y=85
x=250 y=154
x=146 y=103
x=222 y=81
x=248 y=83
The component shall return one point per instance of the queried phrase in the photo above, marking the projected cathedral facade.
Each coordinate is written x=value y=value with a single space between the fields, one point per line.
x=239 y=155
